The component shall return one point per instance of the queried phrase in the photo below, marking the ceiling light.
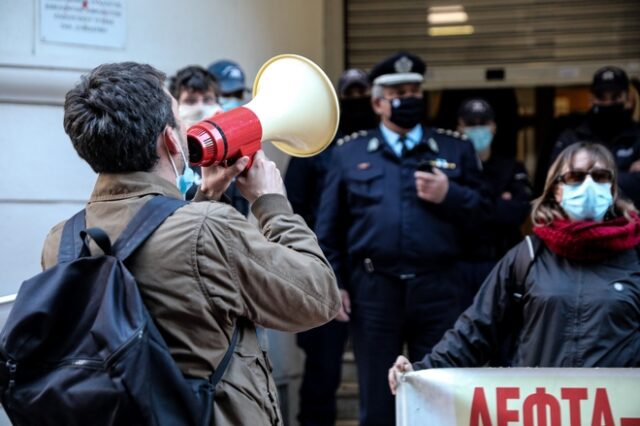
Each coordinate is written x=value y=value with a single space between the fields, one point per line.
x=451 y=30
x=446 y=15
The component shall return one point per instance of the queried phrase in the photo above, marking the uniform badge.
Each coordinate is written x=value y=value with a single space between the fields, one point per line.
x=363 y=166
x=403 y=65
x=433 y=145
x=441 y=163
x=621 y=153
x=373 y=145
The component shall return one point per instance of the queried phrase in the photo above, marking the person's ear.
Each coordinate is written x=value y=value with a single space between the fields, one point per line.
x=376 y=105
x=170 y=140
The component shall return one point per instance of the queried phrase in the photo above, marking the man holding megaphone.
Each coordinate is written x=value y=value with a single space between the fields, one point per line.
x=205 y=270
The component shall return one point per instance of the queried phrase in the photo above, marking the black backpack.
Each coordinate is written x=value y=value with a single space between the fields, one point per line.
x=79 y=346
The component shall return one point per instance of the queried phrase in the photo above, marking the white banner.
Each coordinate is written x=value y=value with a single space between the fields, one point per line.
x=519 y=396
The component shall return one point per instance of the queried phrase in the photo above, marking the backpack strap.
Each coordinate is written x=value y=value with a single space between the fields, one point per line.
x=71 y=243
x=222 y=367
x=524 y=261
x=144 y=223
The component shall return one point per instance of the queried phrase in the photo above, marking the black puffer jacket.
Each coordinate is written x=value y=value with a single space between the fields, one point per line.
x=573 y=314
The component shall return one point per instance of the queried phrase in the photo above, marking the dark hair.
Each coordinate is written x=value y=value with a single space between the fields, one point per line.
x=115 y=115
x=546 y=209
x=193 y=79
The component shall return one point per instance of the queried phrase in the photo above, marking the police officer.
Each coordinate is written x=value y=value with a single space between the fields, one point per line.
x=305 y=176
x=393 y=232
x=609 y=123
x=324 y=345
x=508 y=182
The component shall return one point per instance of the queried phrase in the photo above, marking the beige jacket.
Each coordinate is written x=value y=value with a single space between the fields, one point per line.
x=205 y=267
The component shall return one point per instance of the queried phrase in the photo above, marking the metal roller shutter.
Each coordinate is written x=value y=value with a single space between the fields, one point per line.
x=533 y=41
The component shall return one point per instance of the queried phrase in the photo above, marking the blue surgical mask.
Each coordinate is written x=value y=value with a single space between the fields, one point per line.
x=481 y=136
x=186 y=180
x=188 y=177
x=589 y=200
x=228 y=104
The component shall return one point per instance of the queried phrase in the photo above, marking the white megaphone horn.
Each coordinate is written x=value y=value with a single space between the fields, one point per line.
x=294 y=106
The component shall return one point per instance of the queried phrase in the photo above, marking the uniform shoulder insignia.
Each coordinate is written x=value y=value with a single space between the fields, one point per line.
x=340 y=142
x=452 y=133
x=373 y=145
x=358 y=134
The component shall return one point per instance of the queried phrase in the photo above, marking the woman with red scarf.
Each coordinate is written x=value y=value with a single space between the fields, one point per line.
x=580 y=302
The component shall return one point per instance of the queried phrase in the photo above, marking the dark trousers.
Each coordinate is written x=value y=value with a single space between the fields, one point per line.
x=386 y=314
x=323 y=347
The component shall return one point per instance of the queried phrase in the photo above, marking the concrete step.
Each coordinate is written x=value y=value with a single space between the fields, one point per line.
x=347 y=423
x=349 y=370
x=347 y=402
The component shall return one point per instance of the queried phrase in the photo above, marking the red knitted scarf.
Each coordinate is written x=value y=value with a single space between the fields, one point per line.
x=589 y=240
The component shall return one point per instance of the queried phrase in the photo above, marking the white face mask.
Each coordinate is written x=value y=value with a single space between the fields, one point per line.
x=191 y=114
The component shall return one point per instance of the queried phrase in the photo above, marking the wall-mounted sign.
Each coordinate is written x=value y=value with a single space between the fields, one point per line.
x=86 y=22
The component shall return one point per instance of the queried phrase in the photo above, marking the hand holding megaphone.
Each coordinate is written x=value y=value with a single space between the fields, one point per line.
x=294 y=106
x=262 y=178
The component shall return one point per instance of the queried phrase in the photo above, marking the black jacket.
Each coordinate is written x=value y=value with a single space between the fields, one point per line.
x=572 y=315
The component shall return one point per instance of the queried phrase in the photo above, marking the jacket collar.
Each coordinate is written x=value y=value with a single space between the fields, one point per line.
x=119 y=186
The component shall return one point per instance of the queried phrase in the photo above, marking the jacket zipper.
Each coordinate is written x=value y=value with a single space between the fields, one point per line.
x=12 y=367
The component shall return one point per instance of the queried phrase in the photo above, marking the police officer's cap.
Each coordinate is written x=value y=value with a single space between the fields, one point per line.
x=402 y=67
x=475 y=111
x=610 y=79
x=352 y=77
x=229 y=76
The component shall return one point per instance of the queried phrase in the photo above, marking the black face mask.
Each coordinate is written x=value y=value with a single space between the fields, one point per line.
x=407 y=112
x=356 y=114
x=609 y=120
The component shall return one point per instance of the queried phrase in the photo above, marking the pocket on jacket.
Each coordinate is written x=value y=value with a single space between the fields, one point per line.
x=365 y=187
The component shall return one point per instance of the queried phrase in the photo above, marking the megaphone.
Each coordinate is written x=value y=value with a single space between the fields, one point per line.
x=294 y=106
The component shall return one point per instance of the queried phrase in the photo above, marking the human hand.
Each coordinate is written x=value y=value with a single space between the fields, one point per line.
x=402 y=365
x=262 y=178
x=216 y=179
x=432 y=187
x=506 y=196
x=345 y=309
x=635 y=166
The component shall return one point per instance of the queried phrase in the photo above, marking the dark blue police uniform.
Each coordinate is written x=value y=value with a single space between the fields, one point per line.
x=486 y=244
x=395 y=253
